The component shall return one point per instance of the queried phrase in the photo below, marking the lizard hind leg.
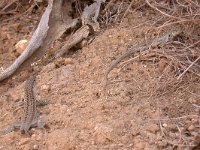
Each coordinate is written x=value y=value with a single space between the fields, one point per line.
x=38 y=123
x=41 y=124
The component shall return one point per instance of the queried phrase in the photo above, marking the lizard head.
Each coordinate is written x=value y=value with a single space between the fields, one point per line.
x=174 y=33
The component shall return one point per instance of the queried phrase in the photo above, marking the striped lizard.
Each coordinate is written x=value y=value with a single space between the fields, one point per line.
x=30 y=118
x=169 y=36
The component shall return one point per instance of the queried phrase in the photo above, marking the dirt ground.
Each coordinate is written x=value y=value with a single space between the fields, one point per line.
x=79 y=114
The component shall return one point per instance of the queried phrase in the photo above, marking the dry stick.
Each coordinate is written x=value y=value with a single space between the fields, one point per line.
x=77 y=6
x=194 y=3
x=182 y=117
x=180 y=21
x=198 y=115
x=76 y=38
x=180 y=133
x=132 y=59
x=161 y=128
x=126 y=12
x=35 y=42
x=7 y=13
x=162 y=11
x=188 y=68
x=9 y=5
x=107 y=7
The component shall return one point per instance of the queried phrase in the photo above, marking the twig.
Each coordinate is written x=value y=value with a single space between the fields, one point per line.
x=180 y=21
x=77 y=6
x=198 y=115
x=182 y=117
x=131 y=59
x=126 y=12
x=7 y=13
x=107 y=7
x=77 y=37
x=174 y=17
x=8 y=5
x=188 y=68
x=161 y=128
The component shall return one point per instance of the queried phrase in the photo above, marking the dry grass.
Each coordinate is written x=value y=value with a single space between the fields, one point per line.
x=181 y=67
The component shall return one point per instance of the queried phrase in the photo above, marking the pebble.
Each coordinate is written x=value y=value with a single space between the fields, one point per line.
x=35 y=147
x=180 y=147
x=68 y=61
x=182 y=129
x=46 y=87
x=197 y=138
x=192 y=100
x=164 y=125
x=162 y=143
x=103 y=133
x=140 y=145
x=21 y=45
x=24 y=141
x=192 y=128
x=83 y=43
x=62 y=61
x=153 y=128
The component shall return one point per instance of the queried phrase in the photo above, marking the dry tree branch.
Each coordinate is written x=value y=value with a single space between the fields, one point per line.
x=126 y=12
x=188 y=68
x=180 y=21
x=107 y=7
x=174 y=17
x=9 y=5
x=175 y=118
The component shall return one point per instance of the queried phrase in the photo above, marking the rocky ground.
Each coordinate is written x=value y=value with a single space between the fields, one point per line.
x=80 y=115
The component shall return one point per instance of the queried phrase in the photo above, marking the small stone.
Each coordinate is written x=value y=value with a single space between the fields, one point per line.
x=46 y=87
x=38 y=1
x=83 y=43
x=153 y=128
x=172 y=135
x=21 y=45
x=192 y=128
x=162 y=143
x=24 y=141
x=182 y=129
x=192 y=100
x=62 y=61
x=140 y=145
x=49 y=67
x=103 y=133
x=68 y=61
x=164 y=125
x=35 y=147
x=33 y=135
x=162 y=64
x=197 y=138
x=180 y=147
x=122 y=42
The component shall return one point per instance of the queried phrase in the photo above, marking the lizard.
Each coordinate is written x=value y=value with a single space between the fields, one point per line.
x=35 y=42
x=91 y=13
x=169 y=36
x=30 y=117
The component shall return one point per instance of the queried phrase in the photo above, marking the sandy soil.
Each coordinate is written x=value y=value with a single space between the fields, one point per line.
x=79 y=114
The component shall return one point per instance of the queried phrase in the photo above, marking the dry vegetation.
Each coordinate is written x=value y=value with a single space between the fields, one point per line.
x=178 y=62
